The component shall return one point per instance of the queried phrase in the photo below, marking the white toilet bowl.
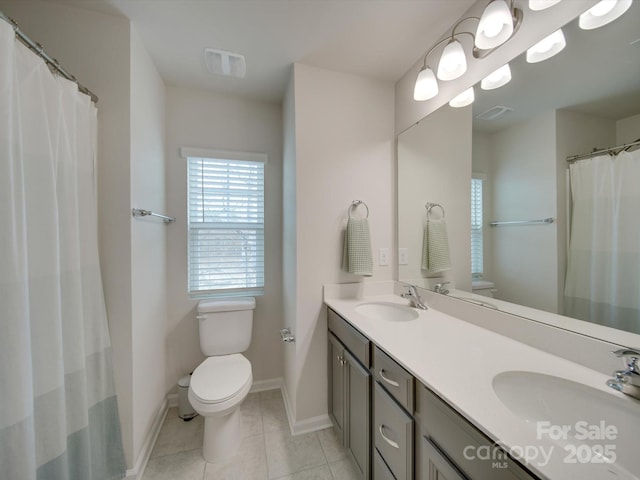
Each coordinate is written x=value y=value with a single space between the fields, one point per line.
x=218 y=387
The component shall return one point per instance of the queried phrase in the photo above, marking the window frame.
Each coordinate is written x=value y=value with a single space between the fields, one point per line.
x=234 y=156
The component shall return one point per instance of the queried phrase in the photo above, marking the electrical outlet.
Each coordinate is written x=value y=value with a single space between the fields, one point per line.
x=383 y=257
x=403 y=256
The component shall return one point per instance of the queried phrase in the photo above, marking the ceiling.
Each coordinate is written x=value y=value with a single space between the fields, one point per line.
x=381 y=39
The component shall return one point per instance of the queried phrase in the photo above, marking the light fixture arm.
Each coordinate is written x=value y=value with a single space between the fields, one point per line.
x=448 y=38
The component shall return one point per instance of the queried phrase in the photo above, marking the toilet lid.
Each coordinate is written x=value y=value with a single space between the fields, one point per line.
x=219 y=378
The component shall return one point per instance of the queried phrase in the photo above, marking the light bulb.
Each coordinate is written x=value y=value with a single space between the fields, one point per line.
x=453 y=62
x=495 y=26
x=541 y=4
x=465 y=98
x=426 y=86
x=602 y=13
x=602 y=8
x=547 y=47
x=497 y=79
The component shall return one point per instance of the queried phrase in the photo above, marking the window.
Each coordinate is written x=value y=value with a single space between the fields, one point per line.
x=476 y=228
x=225 y=223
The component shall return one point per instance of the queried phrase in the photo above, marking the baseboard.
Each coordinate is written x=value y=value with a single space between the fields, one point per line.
x=172 y=400
x=138 y=469
x=307 y=425
x=269 y=384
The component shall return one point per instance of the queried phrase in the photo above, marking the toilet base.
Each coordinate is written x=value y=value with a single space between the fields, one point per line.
x=222 y=436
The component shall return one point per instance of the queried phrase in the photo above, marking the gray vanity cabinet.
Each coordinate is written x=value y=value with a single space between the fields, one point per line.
x=448 y=443
x=350 y=391
x=410 y=433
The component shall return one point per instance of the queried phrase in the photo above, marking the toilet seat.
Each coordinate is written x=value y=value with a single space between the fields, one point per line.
x=221 y=378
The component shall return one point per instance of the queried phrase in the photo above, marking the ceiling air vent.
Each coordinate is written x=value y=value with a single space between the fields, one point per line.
x=221 y=62
x=494 y=113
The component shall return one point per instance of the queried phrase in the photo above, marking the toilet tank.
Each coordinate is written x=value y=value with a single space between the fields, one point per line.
x=225 y=325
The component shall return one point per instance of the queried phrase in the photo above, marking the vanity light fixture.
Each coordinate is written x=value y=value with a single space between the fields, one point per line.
x=497 y=79
x=453 y=62
x=536 y=5
x=602 y=13
x=496 y=25
x=426 y=85
x=547 y=47
x=465 y=98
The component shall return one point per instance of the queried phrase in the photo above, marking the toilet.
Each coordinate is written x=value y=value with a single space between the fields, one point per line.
x=220 y=383
x=485 y=288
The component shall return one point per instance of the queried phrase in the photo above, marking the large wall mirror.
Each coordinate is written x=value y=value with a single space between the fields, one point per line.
x=546 y=251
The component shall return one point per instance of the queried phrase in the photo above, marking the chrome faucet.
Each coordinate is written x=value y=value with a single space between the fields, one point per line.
x=627 y=381
x=439 y=288
x=414 y=297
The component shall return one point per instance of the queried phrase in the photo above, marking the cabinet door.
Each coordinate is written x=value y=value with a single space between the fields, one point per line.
x=337 y=392
x=380 y=469
x=434 y=465
x=358 y=394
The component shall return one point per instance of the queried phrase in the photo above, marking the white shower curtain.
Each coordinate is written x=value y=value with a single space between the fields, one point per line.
x=603 y=271
x=58 y=410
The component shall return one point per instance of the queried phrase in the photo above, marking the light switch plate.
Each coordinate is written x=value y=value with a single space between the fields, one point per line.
x=383 y=257
x=403 y=256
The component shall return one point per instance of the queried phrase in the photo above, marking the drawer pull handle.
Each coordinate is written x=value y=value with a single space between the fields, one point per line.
x=387 y=439
x=388 y=380
x=342 y=360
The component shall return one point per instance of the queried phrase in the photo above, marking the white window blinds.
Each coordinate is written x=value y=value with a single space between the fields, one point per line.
x=476 y=228
x=226 y=226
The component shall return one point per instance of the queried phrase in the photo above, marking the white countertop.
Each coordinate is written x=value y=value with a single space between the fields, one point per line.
x=458 y=361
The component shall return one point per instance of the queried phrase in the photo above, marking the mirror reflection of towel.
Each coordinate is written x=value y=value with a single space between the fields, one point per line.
x=357 y=257
x=435 y=247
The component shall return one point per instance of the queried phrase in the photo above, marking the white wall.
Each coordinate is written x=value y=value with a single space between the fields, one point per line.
x=148 y=243
x=524 y=188
x=344 y=150
x=434 y=165
x=628 y=129
x=198 y=118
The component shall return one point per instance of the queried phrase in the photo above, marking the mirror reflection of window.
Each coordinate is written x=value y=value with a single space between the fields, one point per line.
x=477 y=265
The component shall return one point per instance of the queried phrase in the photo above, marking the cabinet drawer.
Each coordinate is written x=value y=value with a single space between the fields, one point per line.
x=355 y=342
x=397 y=381
x=380 y=469
x=393 y=430
x=452 y=434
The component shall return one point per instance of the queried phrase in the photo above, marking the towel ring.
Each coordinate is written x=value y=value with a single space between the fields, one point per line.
x=355 y=204
x=428 y=206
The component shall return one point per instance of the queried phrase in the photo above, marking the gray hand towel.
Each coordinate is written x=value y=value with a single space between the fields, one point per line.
x=435 y=247
x=357 y=257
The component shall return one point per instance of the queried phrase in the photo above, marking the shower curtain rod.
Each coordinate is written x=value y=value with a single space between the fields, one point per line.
x=575 y=158
x=52 y=62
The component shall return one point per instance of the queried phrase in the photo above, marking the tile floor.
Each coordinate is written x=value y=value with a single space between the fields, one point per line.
x=268 y=450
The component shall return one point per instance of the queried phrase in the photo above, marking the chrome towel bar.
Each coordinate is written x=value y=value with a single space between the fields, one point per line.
x=138 y=212
x=524 y=222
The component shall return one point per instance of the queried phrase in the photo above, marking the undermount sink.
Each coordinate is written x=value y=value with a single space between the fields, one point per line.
x=387 y=311
x=583 y=421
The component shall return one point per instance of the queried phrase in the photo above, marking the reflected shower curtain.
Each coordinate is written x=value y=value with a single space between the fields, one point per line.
x=603 y=270
x=58 y=410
